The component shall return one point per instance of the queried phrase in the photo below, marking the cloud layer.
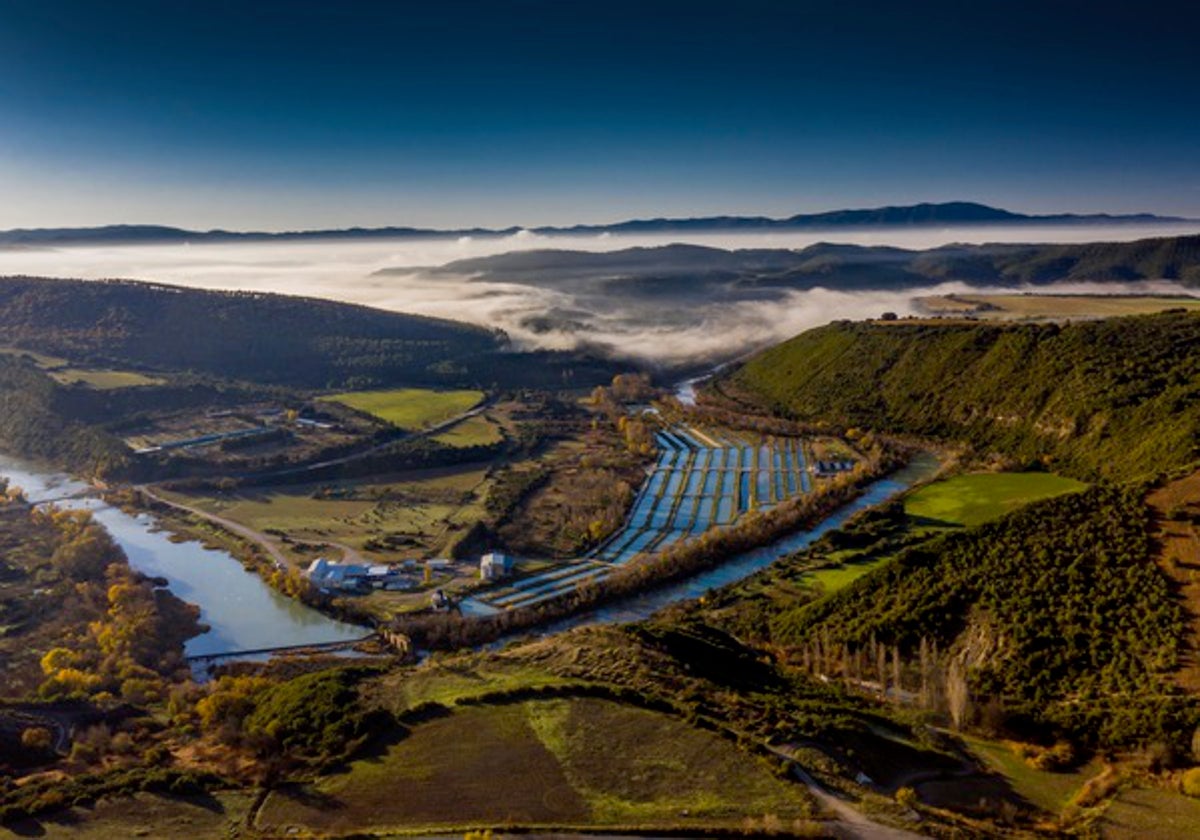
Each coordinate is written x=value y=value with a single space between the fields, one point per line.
x=662 y=330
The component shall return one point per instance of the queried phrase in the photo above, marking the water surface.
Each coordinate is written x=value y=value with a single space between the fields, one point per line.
x=644 y=604
x=241 y=610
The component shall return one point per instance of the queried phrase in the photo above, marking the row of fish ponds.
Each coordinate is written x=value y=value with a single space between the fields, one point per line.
x=703 y=478
x=707 y=478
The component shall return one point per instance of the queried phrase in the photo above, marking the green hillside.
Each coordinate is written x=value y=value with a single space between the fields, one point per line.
x=268 y=338
x=1057 y=610
x=36 y=423
x=1118 y=398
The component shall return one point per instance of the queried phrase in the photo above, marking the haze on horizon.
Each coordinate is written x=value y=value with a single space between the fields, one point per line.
x=663 y=332
x=310 y=114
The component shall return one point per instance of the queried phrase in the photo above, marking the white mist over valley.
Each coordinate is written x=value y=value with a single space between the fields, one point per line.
x=660 y=330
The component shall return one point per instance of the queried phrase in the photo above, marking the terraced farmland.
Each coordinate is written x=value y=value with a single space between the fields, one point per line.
x=703 y=478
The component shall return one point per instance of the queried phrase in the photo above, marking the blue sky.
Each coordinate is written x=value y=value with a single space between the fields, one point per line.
x=316 y=114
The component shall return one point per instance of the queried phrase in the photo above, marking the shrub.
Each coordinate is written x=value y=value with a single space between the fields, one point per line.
x=36 y=739
x=1190 y=783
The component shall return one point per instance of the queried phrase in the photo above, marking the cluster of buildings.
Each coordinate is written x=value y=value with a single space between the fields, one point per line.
x=361 y=577
x=408 y=574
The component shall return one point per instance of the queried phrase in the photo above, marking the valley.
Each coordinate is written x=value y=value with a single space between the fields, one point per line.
x=655 y=420
x=854 y=571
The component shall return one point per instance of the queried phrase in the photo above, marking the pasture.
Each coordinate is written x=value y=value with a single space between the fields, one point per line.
x=462 y=679
x=1052 y=307
x=414 y=513
x=474 y=431
x=562 y=762
x=144 y=815
x=103 y=379
x=1049 y=791
x=975 y=498
x=963 y=501
x=411 y=409
x=846 y=570
x=1140 y=813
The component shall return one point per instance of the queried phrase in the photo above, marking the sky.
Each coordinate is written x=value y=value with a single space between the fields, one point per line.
x=288 y=115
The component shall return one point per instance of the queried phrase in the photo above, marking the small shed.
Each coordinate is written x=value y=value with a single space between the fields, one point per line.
x=495 y=566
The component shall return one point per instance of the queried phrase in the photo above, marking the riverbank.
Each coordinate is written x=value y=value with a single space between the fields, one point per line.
x=240 y=609
x=256 y=552
x=763 y=532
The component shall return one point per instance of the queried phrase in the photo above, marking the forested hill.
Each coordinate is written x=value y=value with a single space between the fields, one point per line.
x=841 y=266
x=1118 y=398
x=265 y=338
x=35 y=423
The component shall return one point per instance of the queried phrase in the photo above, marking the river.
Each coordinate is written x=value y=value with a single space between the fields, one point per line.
x=244 y=613
x=240 y=609
x=644 y=604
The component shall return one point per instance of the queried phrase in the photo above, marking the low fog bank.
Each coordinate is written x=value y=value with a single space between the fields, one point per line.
x=675 y=333
x=666 y=329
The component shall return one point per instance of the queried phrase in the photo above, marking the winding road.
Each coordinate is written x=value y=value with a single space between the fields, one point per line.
x=852 y=824
x=349 y=554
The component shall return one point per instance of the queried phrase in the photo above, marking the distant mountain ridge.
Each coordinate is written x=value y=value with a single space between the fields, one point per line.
x=916 y=215
x=842 y=266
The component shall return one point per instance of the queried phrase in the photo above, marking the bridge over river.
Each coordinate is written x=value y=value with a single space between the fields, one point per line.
x=325 y=647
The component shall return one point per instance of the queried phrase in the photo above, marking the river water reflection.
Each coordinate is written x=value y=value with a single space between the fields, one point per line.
x=241 y=610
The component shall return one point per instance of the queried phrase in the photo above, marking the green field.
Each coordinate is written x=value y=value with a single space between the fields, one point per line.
x=103 y=379
x=448 y=684
x=410 y=408
x=847 y=571
x=426 y=508
x=474 y=431
x=1151 y=814
x=565 y=762
x=960 y=502
x=976 y=498
x=1048 y=791
x=144 y=815
x=40 y=359
x=1039 y=306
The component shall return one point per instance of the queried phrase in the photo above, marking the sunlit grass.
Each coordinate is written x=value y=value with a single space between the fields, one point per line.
x=410 y=408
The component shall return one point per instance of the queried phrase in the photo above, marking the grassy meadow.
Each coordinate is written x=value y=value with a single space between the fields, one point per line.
x=418 y=511
x=474 y=431
x=103 y=379
x=975 y=498
x=1140 y=813
x=560 y=762
x=1049 y=791
x=145 y=815
x=1050 y=306
x=411 y=409
x=962 y=501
